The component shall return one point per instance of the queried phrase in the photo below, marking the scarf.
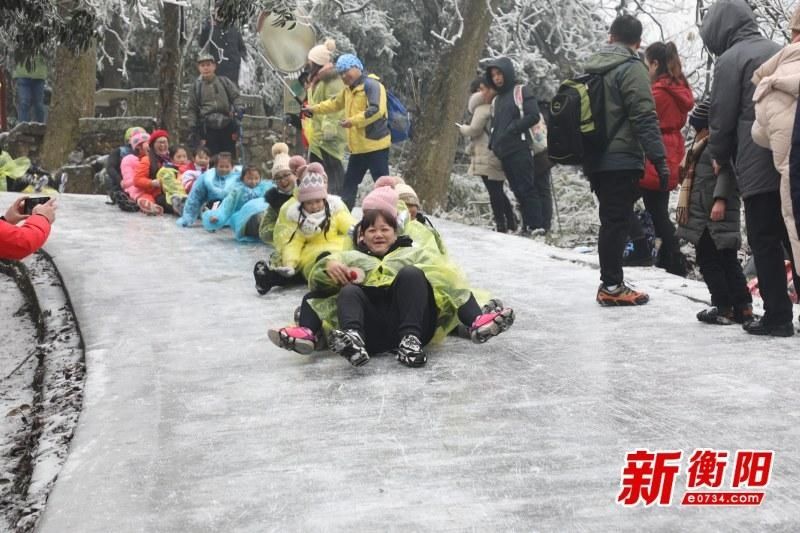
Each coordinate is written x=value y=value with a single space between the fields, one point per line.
x=687 y=169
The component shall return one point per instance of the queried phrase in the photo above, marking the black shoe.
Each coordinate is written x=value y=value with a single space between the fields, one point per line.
x=410 y=353
x=349 y=345
x=718 y=316
x=758 y=327
x=263 y=277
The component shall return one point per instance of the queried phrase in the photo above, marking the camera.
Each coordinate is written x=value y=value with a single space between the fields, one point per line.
x=30 y=203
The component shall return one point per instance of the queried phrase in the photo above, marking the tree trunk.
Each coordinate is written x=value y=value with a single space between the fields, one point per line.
x=73 y=98
x=435 y=138
x=111 y=77
x=169 y=71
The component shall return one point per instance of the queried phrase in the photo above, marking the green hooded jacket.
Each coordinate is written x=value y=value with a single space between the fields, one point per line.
x=630 y=107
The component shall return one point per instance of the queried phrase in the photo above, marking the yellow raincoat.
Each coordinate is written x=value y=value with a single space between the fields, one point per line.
x=450 y=289
x=298 y=246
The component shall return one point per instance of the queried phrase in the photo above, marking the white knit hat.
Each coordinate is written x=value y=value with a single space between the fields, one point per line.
x=321 y=54
x=280 y=159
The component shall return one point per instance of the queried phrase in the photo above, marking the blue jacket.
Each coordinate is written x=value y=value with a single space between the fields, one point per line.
x=241 y=203
x=208 y=188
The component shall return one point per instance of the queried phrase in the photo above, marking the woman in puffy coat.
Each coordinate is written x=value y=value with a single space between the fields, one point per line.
x=386 y=296
x=777 y=86
x=483 y=162
x=129 y=166
x=674 y=100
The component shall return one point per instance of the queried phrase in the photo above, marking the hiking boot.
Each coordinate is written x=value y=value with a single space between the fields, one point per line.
x=621 y=295
x=759 y=327
x=149 y=208
x=263 y=277
x=177 y=204
x=488 y=325
x=493 y=305
x=409 y=352
x=294 y=338
x=716 y=316
x=350 y=345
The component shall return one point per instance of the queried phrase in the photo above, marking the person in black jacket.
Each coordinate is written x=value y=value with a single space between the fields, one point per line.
x=225 y=43
x=510 y=138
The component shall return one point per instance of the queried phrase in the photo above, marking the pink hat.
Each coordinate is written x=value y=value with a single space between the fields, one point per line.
x=383 y=199
x=313 y=184
x=388 y=181
x=139 y=137
x=295 y=162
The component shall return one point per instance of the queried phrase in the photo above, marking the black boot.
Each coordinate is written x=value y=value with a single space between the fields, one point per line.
x=759 y=327
x=500 y=225
x=511 y=221
x=264 y=277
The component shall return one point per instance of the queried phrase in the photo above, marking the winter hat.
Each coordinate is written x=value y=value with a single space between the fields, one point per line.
x=383 y=199
x=138 y=137
x=348 y=61
x=205 y=55
x=280 y=159
x=156 y=135
x=388 y=181
x=321 y=54
x=314 y=184
x=407 y=194
x=296 y=163
x=698 y=118
x=794 y=24
x=130 y=131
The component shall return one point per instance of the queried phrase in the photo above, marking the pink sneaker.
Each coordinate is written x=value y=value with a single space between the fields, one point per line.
x=149 y=208
x=294 y=338
x=488 y=325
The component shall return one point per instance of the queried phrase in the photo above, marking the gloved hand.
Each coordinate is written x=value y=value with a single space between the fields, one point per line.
x=663 y=174
x=286 y=272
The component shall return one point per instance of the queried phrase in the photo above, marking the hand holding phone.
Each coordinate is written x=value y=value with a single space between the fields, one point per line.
x=32 y=202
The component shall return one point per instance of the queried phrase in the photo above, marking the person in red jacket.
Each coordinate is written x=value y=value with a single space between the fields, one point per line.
x=674 y=100
x=18 y=242
x=145 y=177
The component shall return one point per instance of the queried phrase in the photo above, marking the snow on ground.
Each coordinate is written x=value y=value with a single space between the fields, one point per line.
x=193 y=421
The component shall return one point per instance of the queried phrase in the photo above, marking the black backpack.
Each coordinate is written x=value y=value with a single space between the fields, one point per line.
x=577 y=126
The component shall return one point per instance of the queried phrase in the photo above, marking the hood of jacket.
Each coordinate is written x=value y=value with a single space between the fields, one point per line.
x=507 y=68
x=727 y=23
x=474 y=101
x=680 y=93
x=608 y=57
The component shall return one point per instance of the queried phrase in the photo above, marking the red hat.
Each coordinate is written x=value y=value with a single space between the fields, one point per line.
x=156 y=135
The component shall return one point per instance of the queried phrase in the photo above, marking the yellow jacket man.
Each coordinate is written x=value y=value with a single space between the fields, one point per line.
x=366 y=120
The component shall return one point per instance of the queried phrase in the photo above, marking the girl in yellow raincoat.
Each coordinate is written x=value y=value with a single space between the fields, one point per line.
x=313 y=224
x=387 y=295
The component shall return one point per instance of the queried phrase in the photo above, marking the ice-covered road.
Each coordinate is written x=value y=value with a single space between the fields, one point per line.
x=193 y=421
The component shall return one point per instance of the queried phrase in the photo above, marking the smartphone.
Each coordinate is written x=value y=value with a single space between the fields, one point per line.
x=30 y=203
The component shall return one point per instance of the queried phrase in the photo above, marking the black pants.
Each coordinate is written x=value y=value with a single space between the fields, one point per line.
x=334 y=169
x=222 y=140
x=616 y=192
x=766 y=234
x=376 y=162
x=722 y=273
x=519 y=171
x=543 y=189
x=502 y=209
x=384 y=315
x=657 y=204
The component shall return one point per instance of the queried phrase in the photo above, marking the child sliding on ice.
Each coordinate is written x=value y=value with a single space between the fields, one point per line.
x=240 y=207
x=284 y=176
x=213 y=185
x=315 y=223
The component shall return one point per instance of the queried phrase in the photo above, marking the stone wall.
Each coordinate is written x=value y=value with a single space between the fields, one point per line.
x=24 y=140
x=99 y=136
